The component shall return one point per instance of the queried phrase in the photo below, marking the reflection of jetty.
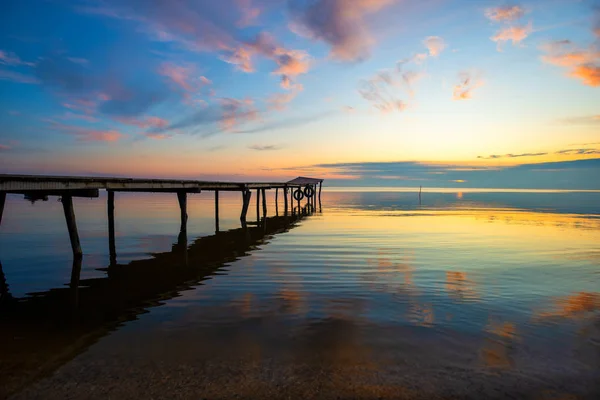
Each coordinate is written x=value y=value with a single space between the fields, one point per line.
x=40 y=187
x=43 y=331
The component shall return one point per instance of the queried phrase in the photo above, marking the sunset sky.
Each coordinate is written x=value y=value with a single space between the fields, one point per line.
x=387 y=92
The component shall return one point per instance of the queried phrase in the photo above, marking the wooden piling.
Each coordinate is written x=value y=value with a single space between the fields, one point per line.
x=264 y=203
x=67 y=202
x=257 y=204
x=320 y=187
x=182 y=198
x=112 y=249
x=216 y=211
x=246 y=196
x=74 y=283
x=2 y=202
x=285 y=200
x=276 y=201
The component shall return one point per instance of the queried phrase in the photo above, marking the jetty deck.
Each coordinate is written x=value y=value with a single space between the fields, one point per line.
x=37 y=187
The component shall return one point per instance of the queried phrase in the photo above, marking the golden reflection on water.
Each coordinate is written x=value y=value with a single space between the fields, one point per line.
x=460 y=287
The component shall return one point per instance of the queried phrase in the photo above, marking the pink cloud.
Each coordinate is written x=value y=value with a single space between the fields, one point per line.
x=17 y=77
x=249 y=13
x=514 y=34
x=83 y=117
x=4 y=147
x=582 y=64
x=435 y=45
x=236 y=112
x=280 y=101
x=94 y=135
x=467 y=85
x=505 y=13
x=184 y=76
x=144 y=123
x=340 y=23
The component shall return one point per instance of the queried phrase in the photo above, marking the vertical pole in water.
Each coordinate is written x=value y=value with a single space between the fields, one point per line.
x=111 y=227
x=320 y=187
x=285 y=200
x=276 y=201
x=182 y=198
x=246 y=196
x=67 y=202
x=264 y=201
x=257 y=205
x=2 y=202
x=216 y=211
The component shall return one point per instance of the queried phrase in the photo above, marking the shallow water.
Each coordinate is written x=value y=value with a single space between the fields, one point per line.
x=376 y=294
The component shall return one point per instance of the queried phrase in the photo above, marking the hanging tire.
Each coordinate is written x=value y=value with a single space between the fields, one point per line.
x=298 y=195
x=309 y=191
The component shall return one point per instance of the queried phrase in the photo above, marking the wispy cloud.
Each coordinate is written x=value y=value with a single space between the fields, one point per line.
x=383 y=89
x=505 y=13
x=435 y=45
x=339 y=23
x=581 y=63
x=4 y=147
x=515 y=34
x=11 y=59
x=78 y=60
x=249 y=13
x=468 y=82
x=264 y=147
x=280 y=101
x=144 y=122
x=510 y=155
x=17 y=77
x=586 y=151
x=583 y=120
x=185 y=77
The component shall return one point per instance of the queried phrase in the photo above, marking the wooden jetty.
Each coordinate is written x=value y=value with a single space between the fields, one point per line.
x=66 y=187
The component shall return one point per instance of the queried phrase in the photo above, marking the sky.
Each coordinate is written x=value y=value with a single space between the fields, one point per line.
x=442 y=93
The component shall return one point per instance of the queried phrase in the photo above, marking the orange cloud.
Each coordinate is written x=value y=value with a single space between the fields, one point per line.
x=583 y=64
x=505 y=13
x=514 y=34
x=589 y=74
x=279 y=101
x=340 y=23
x=468 y=83
x=94 y=135
x=435 y=45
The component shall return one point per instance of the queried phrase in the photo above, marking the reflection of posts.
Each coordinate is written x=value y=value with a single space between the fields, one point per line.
x=257 y=205
x=74 y=283
x=111 y=227
x=285 y=201
x=4 y=293
x=182 y=242
x=276 y=201
x=67 y=202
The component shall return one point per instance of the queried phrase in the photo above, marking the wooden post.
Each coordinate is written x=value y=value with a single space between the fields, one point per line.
x=216 y=211
x=246 y=196
x=320 y=187
x=4 y=292
x=285 y=200
x=257 y=204
x=182 y=198
x=2 y=202
x=111 y=227
x=67 y=202
x=182 y=245
x=276 y=201
x=264 y=201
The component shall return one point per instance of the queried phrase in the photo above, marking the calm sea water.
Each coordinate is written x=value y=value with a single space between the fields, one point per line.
x=466 y=294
